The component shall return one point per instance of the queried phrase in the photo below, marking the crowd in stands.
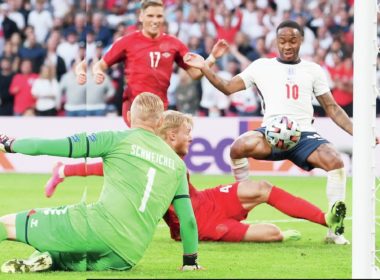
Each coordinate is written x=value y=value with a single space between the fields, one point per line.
x=42 y=40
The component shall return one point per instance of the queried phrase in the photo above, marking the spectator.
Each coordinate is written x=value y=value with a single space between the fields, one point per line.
x=271 y=18
x=187 y=94
x=46 y=91
x=61 y=7
x=6 y=76
x=90 y=45
x=102 y=32
x=250 y=21
x=307 y=48
x=245 y=48
x=174 y=83
x=8 y=25
x=180 y=27
x=73 y=94
x=245 y=103
x=226 y=30
x=41 y=20
x=11 y=56
x=21 y=88
x=195 y=45
x=214 y=103
x=98 y=95
x=342 y=75
x=68 y=49
x=324 y=37
x=32 y=50
x=15 y=15
x=79 y=27
x=53 y=59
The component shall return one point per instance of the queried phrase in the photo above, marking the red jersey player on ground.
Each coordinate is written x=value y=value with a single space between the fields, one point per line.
x=219 y=211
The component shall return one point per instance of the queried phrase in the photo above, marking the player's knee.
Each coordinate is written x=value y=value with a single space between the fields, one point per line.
x=274 y=233
x=330 y=158
x=258 y=191
x=264 y=189
x=335 y=162
x=237 y=148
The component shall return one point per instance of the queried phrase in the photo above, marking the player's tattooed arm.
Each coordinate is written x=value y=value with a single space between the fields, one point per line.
x=228 y=87
x=225 y=86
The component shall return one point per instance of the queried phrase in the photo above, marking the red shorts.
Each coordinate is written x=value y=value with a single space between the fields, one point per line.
x=218 y=212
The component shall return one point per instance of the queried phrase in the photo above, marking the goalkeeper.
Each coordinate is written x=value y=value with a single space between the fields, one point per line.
x=142 y=177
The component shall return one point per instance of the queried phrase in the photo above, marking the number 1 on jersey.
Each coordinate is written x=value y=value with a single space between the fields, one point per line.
x=154 y=59
x=148 y=188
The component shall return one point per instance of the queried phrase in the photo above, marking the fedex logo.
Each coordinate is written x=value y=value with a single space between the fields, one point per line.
x=210 y=150
x=203 y=154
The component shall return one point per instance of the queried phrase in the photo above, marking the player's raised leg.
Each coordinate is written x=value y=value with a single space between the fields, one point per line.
x=61 y=171
x=253 y=193
x=329 y=159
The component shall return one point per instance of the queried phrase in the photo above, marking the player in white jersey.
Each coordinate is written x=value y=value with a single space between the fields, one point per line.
x=287 y=84
x=289 y=89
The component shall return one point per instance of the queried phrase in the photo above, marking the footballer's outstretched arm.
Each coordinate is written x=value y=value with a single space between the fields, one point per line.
x=228 y=87
x=77 y=146
x=218 y=50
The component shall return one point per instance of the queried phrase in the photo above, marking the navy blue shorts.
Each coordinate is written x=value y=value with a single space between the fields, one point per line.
x=308 y=143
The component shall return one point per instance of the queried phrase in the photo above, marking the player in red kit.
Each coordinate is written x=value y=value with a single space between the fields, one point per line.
x=149 y=56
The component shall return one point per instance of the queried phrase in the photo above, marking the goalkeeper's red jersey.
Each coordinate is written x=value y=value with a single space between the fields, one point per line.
x=148 y=62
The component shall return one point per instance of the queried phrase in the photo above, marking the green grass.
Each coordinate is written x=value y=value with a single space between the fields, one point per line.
x=309 y=257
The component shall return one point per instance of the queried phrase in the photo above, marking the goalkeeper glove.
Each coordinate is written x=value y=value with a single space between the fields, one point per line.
x=5 y=144
x=190 y=262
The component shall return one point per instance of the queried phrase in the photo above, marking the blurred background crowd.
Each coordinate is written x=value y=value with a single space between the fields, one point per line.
x=42 y=40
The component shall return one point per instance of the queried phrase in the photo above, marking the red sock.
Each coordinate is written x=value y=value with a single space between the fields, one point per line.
x=295 y=206
x=81 y=169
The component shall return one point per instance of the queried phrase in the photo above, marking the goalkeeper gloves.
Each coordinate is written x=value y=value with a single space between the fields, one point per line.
x=190 y=262
x=5 y=144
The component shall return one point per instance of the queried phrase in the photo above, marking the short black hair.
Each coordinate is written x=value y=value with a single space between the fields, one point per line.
x=291 y=24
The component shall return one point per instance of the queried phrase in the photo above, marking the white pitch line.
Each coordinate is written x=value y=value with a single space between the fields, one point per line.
x=275 y=221
x=281 y=221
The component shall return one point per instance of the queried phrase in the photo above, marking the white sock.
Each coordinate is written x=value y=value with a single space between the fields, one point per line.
x=336 y=187
x=240 y=169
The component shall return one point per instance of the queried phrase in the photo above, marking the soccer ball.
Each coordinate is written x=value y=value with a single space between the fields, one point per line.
x=282 y=133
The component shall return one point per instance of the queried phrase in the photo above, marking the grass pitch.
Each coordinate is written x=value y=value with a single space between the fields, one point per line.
x=309 y=257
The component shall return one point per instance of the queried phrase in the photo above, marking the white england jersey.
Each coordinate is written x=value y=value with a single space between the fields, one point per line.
x=287 y=89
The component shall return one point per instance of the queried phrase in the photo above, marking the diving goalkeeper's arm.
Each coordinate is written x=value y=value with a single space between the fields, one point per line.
x=188 y=226
x=76 y=146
